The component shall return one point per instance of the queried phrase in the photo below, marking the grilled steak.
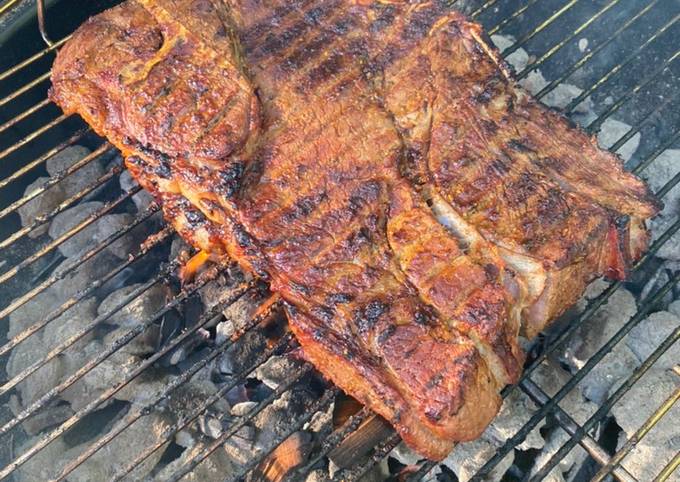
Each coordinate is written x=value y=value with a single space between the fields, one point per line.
x=378 y=166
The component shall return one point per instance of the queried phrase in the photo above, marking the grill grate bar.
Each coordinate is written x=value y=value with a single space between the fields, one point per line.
x=510 y=444
x=571 y=427
x=617 y=68
x=83 y=293
x=33 y=135
x=10 y=273
x=334 y=439
x=25 y=88
x=27 y=167
x=638 y=435
x=668 y=143
x=638 y=127
x=611 y=401
x=480 y=9
x=512 y=16
x=180 y=424
x=328 y=396
x=43 y=218
x=55 y=179
x=586 y=58
x=18 y=302
x=33 y=58
x=655 y=76
x=137 y=412
x=59 y=349
x=546 y=23
x=280 y=390
x=116 y=345
x=668 y=470
x=380 y=453
x=554 y=49
x=18 y=118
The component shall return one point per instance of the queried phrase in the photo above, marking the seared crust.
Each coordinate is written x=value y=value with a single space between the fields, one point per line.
x=432 y=422
x=304 y=179
x=519 y=174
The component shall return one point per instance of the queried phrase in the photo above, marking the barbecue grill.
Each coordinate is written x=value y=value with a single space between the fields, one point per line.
x=203 y=346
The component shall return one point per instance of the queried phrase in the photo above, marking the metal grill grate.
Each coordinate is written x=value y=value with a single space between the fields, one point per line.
x=32 y=131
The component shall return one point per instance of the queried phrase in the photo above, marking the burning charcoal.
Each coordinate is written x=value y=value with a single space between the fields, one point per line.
x=242 y=409
x=42 y=204
x=240 y=446
x=39 y=382
x=404 y=454
x=185 y=438
x=33 y=311
x=516 y=410
x=550 y=377
x=115 y=455
x=102 y=465
x=560 y=96
x=275 y=370
x=278 y=416
x=318 y=475
x=187 y=397
x=139 y=310
x=50 y=416
x=645 y=337
x=674 y=308
x=210 y=426
x=554 y=440
x=82 y=276
x=617 y=364
x=658 y=280
x=237 y=394
x=70 y=323
x=48 y=462
x=109 y=372
x=188 y=347
x=177 y=247
x=467 y=458
x=518 y=59
x=236 y=316
x=224 y=288
x=142 y=199
x=66 y=220
x=216 y=466
x=611 y=131
x=36 y=346
x=129 y=242
x=81 y=178
x=321 y=423
x=121 y=450
x=659 y=446
x=590 y=337
x=657 y=174
x=212 y=293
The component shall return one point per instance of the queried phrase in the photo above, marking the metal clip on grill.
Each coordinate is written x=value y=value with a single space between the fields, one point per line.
x=34 y=134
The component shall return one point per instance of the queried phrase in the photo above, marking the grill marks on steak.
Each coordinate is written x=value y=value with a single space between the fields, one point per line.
x=508 y=168
x=305 y=185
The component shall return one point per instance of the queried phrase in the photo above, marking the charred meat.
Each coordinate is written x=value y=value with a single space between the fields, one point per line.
x=376 y=162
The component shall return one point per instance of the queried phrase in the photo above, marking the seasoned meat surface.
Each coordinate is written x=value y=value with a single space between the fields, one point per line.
x=379 y=167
